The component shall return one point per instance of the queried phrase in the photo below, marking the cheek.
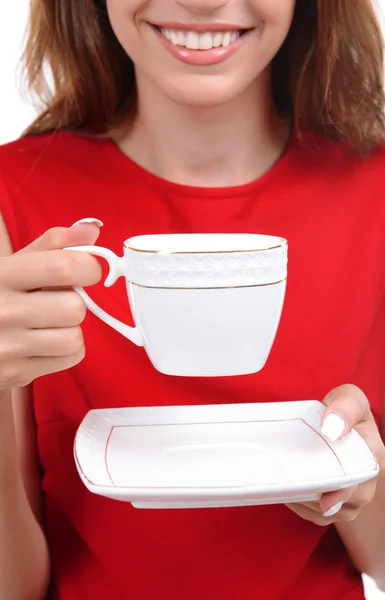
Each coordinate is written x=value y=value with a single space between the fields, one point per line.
x=124 y=17
x=275 y=12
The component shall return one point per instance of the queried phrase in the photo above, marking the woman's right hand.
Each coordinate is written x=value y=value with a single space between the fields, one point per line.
x=39 y=316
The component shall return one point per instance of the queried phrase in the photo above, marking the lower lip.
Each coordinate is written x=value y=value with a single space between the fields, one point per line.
x=201 y=57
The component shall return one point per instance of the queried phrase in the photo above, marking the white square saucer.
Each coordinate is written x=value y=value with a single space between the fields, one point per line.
x=217 y=455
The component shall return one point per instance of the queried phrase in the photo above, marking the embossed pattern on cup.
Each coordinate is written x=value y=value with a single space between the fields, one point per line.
x=207 y=269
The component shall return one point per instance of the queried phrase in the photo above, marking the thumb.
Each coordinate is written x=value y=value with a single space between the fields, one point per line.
x=346 y=406
x=83 y=232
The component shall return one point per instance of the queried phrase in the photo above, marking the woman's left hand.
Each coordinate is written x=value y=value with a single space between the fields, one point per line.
x=347 y=408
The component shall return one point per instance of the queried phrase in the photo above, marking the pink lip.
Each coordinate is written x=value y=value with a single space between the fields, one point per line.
x=201 y=57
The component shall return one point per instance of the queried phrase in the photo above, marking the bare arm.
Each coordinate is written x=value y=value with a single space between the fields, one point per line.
x=24 y=555
x=364 y=538
x=35 y=297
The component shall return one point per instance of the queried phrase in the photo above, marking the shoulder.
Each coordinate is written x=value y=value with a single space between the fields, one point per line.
x=333 y=173
x=51 y=155
x=335 y=157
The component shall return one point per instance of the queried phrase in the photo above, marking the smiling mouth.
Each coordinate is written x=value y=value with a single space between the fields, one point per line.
x=207 y=40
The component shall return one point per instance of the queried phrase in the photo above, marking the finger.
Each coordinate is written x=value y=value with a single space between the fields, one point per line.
x=332 y=502
x=42 y=342
x=57 y=268
x=329 y=501
x=22 y=372
x=343 y=514
x=308 y=514
x=347 y=406
x=313 y=506
x=39 y=366
x=360 y=496
x=59 y=237
x=53 y=342
x=46 y=310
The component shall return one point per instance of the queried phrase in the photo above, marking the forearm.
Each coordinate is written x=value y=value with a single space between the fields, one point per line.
x=24 y=555
x=364 y=538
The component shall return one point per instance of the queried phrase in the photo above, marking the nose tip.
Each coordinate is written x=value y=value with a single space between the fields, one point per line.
x=202 y=6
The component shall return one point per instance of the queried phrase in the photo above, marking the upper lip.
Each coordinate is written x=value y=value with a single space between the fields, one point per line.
x=200 y=26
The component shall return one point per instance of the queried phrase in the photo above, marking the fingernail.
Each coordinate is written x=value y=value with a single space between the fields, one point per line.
x=333 y=510
x=89 y=220
x=333 y=427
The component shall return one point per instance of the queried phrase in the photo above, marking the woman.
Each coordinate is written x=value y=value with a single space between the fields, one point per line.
x=179 y=116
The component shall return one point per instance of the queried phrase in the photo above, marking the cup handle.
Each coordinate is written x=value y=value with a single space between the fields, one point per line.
x=116 y=270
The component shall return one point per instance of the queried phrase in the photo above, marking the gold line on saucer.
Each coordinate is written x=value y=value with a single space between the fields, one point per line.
x=97 y=485
x=105 y=460
x=326 y=442
x=224 y=287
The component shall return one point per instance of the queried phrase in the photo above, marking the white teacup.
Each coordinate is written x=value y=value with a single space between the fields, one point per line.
x=203 y=304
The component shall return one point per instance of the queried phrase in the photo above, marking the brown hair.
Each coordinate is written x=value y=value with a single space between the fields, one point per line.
x=328 y=76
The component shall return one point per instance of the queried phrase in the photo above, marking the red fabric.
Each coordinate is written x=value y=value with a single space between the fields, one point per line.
x=331 y=208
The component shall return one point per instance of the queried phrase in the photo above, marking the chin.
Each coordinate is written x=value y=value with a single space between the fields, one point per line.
x=203 y=95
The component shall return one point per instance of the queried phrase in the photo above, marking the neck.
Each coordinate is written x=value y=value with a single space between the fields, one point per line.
x=220 y=146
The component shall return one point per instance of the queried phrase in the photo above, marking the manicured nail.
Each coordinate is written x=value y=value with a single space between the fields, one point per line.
x=333 y=510
x=89 y=220
x=333 y=427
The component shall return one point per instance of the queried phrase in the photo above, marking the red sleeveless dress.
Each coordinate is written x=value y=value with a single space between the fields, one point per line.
x=331 y=207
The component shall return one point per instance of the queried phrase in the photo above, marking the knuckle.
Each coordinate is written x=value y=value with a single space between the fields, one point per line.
x=82 y=353
x=12 y=346
x=365 y=497
x=92 y=269
x=9 y=308
x=77 y=308
x=360 y=403
x=9 y=350
x=11 y=375
x=97 y=271
x=75 y=340
x=354 y=389
x=78 y=356
x=349 y=514
x=60 y=267
x=6 y=314
x=361 y=400
x=53 y=237
x=321 y=521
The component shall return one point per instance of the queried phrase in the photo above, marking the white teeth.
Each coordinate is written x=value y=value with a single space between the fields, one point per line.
x=226 y=39
x=192 y=40
x=217 y=40
x=180 y=38
x=203 y=41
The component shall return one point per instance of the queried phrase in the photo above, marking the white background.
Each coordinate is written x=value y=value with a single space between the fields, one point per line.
x=16 y=113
